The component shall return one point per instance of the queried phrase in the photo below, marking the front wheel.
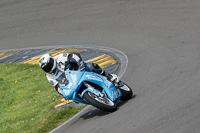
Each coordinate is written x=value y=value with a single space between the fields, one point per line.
x=126 y=91
x=102 y=103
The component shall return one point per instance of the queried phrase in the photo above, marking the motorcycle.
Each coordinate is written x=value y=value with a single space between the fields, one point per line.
x=93 y=89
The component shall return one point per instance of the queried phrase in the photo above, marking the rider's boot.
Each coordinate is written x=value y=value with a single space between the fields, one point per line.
x=111 y=77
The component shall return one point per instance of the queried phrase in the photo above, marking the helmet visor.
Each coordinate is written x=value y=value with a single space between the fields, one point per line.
x=48 y=67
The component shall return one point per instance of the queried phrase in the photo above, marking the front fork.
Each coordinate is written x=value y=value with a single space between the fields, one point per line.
x=92 y=90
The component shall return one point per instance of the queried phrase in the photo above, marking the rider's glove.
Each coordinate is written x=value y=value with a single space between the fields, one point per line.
x=76 y=57
x=81 y=66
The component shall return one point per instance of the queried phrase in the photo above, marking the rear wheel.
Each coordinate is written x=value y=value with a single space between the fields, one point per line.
x=126 y=91
x=102 y=103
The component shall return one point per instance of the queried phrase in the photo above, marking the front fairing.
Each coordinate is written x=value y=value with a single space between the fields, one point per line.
x=76 y=79
x=108 y=88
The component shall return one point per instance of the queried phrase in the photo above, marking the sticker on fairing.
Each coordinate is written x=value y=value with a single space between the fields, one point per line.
x=94 y=78
x=74 y=78
x=66 y=92
x=69 y=85
x=108 y=83
x=115 y=94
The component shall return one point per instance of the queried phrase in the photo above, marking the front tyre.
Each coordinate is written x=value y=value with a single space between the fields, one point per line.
x=102 y=103
x=126 y=91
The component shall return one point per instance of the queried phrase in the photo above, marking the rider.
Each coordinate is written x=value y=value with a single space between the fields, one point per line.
x=55 y=67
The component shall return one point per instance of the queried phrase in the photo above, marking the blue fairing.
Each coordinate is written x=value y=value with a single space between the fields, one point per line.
x=76 y=79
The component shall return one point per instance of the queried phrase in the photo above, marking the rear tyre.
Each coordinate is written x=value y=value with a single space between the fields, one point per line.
x=126 y=91
x=102 y=103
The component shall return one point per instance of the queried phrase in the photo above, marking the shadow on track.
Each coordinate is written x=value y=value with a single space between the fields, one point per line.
x=121 y=103
x=93 y=113
x=97 y=112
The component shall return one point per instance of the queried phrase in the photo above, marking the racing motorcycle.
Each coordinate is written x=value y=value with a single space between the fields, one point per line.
x=93 y=89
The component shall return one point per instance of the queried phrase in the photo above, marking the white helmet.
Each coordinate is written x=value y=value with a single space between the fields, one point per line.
x=47 y=63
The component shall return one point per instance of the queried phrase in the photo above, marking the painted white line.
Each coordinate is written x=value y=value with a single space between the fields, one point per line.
x=76 y=115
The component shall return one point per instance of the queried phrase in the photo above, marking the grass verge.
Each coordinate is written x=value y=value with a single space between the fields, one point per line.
x=27 y=100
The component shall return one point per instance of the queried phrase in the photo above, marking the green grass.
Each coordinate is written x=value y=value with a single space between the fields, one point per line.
x=27 y=100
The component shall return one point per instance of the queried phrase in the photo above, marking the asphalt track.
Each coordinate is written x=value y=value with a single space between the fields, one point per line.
x=160 y=38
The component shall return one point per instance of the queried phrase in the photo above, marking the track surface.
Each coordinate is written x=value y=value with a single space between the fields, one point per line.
x=160 y=38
